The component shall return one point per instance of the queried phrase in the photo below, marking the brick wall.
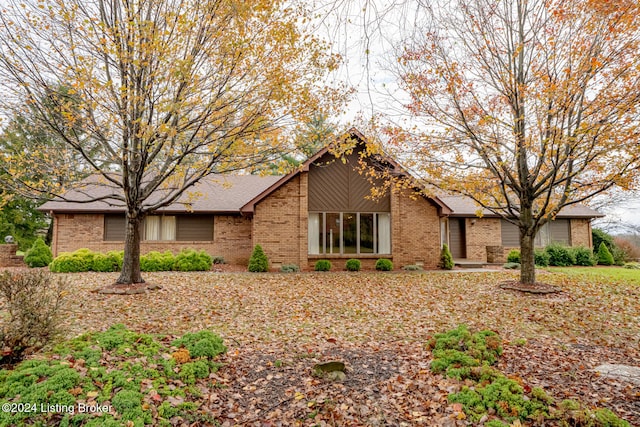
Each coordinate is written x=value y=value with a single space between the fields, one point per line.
x=232 y=237
x=280 y=223
x=415 y=235
x=481 y=232
x=8 y=257
x=581 y=232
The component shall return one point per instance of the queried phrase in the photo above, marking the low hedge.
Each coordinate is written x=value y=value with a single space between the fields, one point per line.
x=86 y=260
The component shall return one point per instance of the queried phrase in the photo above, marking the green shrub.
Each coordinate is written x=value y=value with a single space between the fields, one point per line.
x=156 y=261
x=632 y=266
x=457 y=351
x=604 y=255
x=31 y=302
x=583 y=256
x=201 y=344
x=353 y=265
x=541 y=258
x=218 y=259
x=192 y=260
x=511 y=265
x=559 y=255
x=514 y=256
x=103 y=263
x=599 y=236
x=258 y=263
x=289 y=268
x=323 y=265
x=384 y=264
x=446 y=259
x=619 y=256
x=39 y=255
x=504 y=396
x=412 y=267
x=70 y=262
x=117 y=257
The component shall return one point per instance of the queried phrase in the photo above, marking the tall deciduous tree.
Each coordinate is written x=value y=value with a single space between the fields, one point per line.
x=529 y=106
x=168 y=91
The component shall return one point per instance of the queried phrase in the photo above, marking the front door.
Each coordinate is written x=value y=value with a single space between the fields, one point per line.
x=457 y=240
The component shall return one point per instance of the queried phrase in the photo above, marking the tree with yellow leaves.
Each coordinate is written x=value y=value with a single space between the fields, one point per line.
x=526 y=106
x=160 y=93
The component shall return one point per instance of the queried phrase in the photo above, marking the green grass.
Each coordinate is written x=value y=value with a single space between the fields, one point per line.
x=606 y=274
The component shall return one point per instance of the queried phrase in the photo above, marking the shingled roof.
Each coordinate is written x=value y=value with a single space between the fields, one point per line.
x=241 y=193
x=215 y=194
x=465 y=207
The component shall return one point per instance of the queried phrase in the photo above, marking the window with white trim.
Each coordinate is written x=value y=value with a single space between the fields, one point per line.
x=347 y=233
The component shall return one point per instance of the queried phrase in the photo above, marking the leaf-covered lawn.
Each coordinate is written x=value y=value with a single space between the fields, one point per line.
x=278 y=326
x=360 y=308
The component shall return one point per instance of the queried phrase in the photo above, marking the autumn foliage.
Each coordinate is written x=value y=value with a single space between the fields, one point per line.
x=526 y=107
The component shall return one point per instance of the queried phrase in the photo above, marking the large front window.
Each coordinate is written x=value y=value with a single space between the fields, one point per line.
x=349 y=233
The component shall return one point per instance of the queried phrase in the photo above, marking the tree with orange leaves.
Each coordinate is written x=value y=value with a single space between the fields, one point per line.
x=526 y=106
x=159 y=93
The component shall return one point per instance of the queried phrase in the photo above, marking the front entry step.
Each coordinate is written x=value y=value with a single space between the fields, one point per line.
x=463 y=263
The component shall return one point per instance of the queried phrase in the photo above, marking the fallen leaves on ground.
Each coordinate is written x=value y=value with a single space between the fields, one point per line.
x=277 y=326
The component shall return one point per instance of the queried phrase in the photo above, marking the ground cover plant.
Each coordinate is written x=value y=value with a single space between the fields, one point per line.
x=278 y=326
x=128 y=378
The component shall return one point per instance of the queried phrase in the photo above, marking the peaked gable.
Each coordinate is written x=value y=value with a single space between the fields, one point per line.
x=359 y=190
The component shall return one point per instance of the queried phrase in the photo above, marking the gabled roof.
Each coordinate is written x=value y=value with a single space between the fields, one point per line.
x=353 y=133
x=215 y=194
x=240 y=194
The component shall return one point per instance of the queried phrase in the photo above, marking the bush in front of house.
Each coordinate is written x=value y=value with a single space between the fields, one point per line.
x=412 y=267
x=384 y=264
x=514 y=256
x=258 y=263
x=104 y=263
x=157 y=261
x=560 y=256
x=323 y=265
x=604 y=255
x=541 y=258
x=32 y=303
x=584 y=256
x=39 y=255
x=192 y=260
x=73 y=262
x=511 y=265
x=353 y=265
x=289 y=268
x=446 y=259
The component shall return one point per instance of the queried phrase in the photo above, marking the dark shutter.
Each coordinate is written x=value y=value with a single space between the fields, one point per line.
x=114 y=227
x=510 y=234
x=194 y=228
x=559 y=232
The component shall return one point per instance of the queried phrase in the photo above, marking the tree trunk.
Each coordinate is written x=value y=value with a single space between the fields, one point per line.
x=131 y=264
x=527 y=258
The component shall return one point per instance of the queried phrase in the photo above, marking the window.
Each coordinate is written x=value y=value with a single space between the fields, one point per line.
x=160 y=227
x=556 y=231
x=163 y=227
x=349 y=233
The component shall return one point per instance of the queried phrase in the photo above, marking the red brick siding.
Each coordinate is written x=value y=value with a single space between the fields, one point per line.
x=482 y=232
x=232 y=237
x=415 y=231
x=280 y=223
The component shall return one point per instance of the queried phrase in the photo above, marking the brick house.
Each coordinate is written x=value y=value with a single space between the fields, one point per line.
x=323 y=210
